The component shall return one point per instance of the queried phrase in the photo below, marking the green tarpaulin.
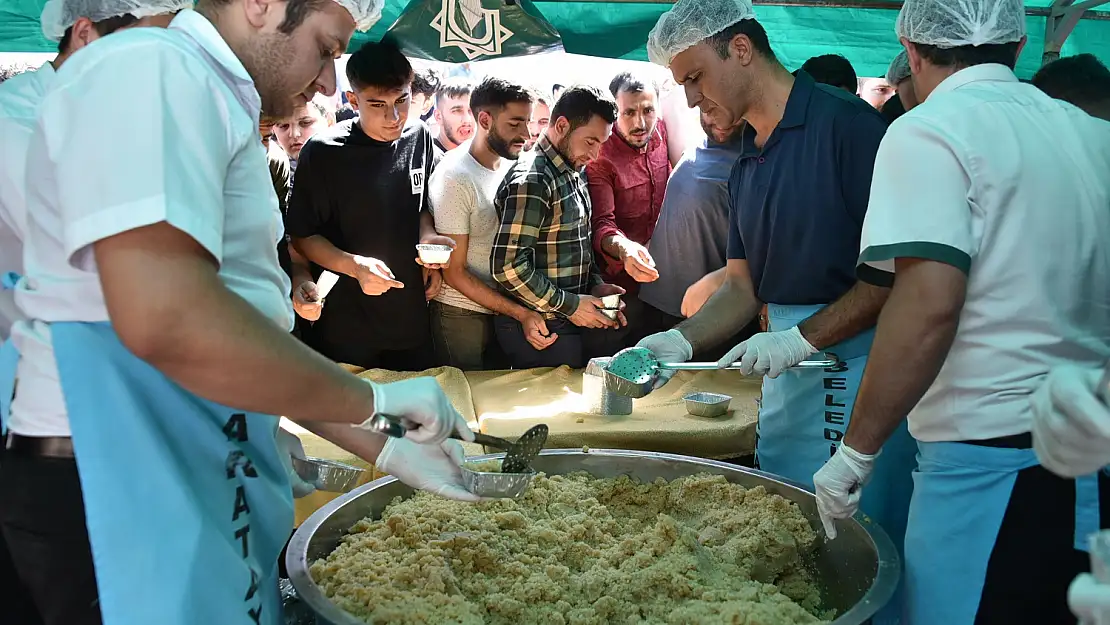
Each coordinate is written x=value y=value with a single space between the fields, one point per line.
x=619 y=29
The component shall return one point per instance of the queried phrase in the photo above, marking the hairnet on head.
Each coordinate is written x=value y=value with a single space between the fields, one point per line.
x=59 y=15
x=954 y=23
x=689 y=22
x=899 y=69
x=366 y=12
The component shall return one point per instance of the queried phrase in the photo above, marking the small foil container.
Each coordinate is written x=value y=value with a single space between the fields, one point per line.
x=612 y=304
x=707 y=404
x=496 y=485
x=327 y=475
x=599 y=399
x=434 y=254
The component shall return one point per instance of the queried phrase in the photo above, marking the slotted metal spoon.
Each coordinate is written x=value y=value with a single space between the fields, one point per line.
x=518 y=455
x=632 y=372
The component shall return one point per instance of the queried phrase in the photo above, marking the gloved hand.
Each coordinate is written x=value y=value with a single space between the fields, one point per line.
x=669 y=346
x=289 y=446
x=839 y=485
x=1089 y=600
x=769 y=353
x=434 y=468
x=1071 y=425
x=422 y=401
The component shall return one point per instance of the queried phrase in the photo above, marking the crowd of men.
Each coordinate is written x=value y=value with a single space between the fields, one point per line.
x=161 y=300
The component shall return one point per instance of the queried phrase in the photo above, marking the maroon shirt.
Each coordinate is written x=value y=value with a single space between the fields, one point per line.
x=626 y=190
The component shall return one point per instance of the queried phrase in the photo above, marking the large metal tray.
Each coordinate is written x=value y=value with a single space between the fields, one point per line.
x=858 y=571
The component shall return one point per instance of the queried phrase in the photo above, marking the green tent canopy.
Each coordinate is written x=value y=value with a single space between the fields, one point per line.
x=861 y=30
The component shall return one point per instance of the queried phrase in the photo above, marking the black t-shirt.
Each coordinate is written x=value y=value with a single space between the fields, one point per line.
x=365 y=197
x=440 y=149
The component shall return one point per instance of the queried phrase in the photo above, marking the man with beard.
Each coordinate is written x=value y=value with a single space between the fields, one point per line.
x=359 y=207
x=453 y=115
x=542 y=252
x=627 y=183
x=541 y=118
x=690 y=241
x=462 y=192
x=158 y=319
x=798 y=195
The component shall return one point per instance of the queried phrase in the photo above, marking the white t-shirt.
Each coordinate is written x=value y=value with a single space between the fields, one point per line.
x=20 y=101
x=461 y=194
x=144 y=126
x=995 y=178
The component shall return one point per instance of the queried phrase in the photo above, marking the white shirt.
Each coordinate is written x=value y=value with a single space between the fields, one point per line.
x=145 y=126
x=1012 y=187
x=461 y=195
x=21 y=99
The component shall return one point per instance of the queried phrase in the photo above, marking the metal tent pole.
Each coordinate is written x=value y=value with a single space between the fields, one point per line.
x=1061 y=20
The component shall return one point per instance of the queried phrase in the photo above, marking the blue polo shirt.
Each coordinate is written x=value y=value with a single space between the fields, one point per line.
x=796 y=206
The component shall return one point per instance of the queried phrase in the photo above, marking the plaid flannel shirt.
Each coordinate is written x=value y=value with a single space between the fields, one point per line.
x=542 y=253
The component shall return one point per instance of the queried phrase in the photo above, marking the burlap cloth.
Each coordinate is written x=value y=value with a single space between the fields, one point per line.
x=506 y=403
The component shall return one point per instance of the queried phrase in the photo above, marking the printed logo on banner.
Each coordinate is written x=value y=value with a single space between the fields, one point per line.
x=416 y=175
x=480 y=32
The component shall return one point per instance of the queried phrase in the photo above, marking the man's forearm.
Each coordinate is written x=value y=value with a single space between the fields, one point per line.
x=480 y=293
x=915 y=332
x=855 y=311
x=364 y=444
x=427 y=225
x=322 y=252
x=730 y=309
x=211 y=341
x=299 y=265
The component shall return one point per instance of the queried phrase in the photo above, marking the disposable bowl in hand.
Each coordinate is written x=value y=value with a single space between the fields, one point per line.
x=496 y=485
x=707 y=404
x=327 y=475
x=612 y=304
x=432 y=254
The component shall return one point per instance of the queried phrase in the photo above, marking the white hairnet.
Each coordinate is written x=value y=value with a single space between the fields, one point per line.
x=59 y=15
x=689 y=22
x=899 y=69
x=954 y=23
x=366 y=12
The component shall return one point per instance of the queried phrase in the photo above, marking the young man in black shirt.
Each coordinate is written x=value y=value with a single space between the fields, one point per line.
x=359 y=206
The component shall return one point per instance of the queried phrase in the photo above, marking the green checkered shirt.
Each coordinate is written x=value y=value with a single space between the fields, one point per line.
x=542 y=253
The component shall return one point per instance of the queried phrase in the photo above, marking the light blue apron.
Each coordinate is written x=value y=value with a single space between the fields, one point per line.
x=804 y=415
x=9 y=360
x=960 y=497
x=186 y=502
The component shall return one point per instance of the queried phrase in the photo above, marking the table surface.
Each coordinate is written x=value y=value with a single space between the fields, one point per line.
x=506 y=403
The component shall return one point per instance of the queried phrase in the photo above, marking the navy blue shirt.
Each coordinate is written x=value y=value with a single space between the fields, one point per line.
x=796 y=207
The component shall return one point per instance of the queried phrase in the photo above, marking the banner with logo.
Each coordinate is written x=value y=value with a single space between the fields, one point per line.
x=460 y=31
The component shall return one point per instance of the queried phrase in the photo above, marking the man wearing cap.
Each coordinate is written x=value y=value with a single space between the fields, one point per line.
x=898 y=75
x=155 y=347
x=798 y=194
x=1000 y=273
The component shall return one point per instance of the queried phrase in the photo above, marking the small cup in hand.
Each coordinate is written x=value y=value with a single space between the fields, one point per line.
x=611 y=306
x=432 y=254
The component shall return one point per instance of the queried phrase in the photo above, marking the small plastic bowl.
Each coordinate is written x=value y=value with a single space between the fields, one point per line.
x=707 y=404
x=612 y=304
x=496 y=485
x=432 y=254
x=327 y=475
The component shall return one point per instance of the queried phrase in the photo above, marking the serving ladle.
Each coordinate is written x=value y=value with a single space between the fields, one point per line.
x=518 y=455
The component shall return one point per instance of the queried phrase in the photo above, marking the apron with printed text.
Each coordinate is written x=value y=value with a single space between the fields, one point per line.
x=961 y=493
x=187 y=504
x=804 y=415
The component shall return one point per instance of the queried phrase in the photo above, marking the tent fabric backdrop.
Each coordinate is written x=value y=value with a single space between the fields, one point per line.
x=619 y=30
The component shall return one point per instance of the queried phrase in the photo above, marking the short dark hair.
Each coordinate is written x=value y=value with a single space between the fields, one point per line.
x=1081 y=80
x=892 y=109
x=631 y=83
x=493 y=94
x=102 y=28
x=832 y=69
x=379 y=64
x=296 y=11
x=579 y=103
x=425 y=82
x=345 y=112
x=968 y=56
x=751 y=29
x=454 y=88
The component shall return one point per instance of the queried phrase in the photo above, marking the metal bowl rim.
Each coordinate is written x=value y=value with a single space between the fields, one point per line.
x=331 y=464
x=719 y=398
x=887 y=573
